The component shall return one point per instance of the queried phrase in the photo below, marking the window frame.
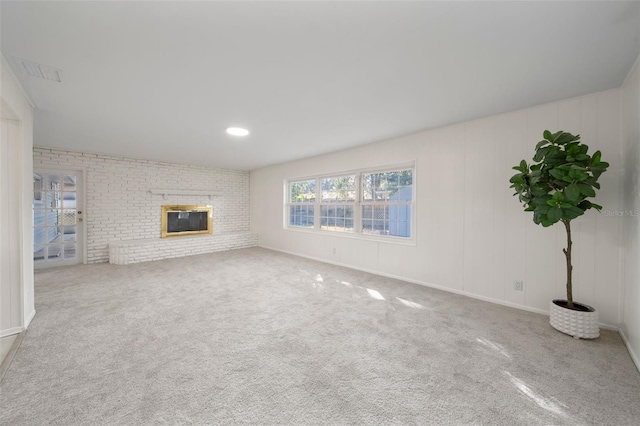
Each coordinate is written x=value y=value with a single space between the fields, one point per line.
x=357 y=231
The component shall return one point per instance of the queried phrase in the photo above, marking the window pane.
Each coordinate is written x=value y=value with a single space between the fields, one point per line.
x=69 y=251
x=302 y=192
x=54 y=252
x=377 y=221
x=301 y=216
x=53 y=218
x=332 y=218
x=51 y=200
x=339 y=189
x=68 y=217
x=388 y=186
x=37 y=188
x=69 y=233
x=399 y=220
x=367 y=212
x=69 y=200
x=53 y=183
x=69 y=183
x=38 y=253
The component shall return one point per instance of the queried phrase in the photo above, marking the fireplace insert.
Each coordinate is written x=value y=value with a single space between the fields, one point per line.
x=186 y=220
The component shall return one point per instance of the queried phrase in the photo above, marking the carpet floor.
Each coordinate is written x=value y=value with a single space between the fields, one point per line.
x=254 y=336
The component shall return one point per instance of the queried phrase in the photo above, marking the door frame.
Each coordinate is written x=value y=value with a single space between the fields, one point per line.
x=82 y=173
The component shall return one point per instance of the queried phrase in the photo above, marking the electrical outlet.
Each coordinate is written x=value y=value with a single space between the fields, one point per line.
x=518 y=285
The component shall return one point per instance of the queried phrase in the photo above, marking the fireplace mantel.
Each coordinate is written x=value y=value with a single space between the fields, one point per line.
x=166 y=192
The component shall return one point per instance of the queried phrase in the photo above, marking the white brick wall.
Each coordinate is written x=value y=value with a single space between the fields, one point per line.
x=135 y=251
x=119 y=206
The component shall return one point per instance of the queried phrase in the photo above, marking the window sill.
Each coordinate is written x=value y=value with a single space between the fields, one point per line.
x=364 y=237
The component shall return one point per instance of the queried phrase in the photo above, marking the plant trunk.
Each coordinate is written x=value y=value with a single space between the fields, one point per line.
x=567 y=254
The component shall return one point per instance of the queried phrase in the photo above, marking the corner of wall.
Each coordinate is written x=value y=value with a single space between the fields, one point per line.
x=630 y=235
x=14 y=96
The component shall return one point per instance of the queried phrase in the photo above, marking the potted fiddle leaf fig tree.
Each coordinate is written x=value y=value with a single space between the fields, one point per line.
x=556 y=187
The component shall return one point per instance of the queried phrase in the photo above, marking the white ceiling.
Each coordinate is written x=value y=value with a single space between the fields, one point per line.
x=163 y=80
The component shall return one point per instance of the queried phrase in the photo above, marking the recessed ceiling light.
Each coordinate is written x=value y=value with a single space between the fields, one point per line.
x=237 y=131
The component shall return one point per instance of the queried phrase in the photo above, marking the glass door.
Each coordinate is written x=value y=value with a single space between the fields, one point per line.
x=58 y=235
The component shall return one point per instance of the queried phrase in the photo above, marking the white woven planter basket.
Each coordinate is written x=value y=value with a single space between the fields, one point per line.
x=579 y=324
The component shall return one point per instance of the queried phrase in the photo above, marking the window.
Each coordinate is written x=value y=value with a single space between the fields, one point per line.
x=338 y=203
x=386 y=203
x=302 y=197
x=371 y=202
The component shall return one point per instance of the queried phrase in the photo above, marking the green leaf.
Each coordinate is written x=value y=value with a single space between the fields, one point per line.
x=537 y=191
x=586 y=190
x=565 y=138
x=547 y=135
x=572 y=192
x=555 y=136
x=571 y=213
x=519 y=179
x=557 y=173
x=546 y=222
x=542 y=209
x=597 y=157
x=540 y=154
x=573 y=148
x=541 y=144
x=552 y=203
x=585 y=205
x=541 y=201
x=554 y=214
x=596 y=206
x=579 y=175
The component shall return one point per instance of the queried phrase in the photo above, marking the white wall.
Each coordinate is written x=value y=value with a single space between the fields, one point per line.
x=119 y=206
x=10 y=285
x=19 y=173
x=630 y=326
x=472 y=235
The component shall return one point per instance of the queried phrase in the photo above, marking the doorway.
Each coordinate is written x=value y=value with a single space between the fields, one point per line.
x=58 y=228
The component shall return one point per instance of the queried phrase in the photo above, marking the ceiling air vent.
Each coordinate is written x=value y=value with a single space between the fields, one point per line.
x=38 y=70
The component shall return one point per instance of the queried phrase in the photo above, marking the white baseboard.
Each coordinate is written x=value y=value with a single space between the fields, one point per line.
x=634 y=356
x=29 y=318
x=431 y=285
x=11 y=331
